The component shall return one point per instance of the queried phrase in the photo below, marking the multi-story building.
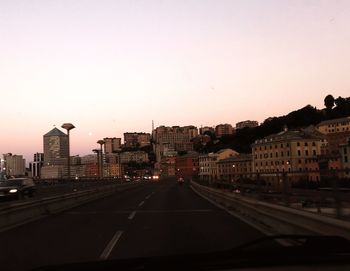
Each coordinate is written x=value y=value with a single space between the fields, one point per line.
x=345 y=157
x=112 y=144
x=223 y=129
x=337 y=132
x=168 y=166
x=55 y=155
x=37 y=164
x=134 y=156
x=208 y=168
x=287 y=151
x=137 y=140
x=55 y=147
x=192 y=131
x=204 y=129
x=334 y=126
x=187 y=165
x=238 y=167
x=14 y=165
x=176 y=139
x=247 y=124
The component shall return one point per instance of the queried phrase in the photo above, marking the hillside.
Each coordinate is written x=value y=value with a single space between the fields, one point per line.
x=308 y=115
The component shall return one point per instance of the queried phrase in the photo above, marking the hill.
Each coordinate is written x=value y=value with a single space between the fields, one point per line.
x=308 y=115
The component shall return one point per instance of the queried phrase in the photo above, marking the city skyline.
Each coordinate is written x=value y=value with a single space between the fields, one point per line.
x=113 y=68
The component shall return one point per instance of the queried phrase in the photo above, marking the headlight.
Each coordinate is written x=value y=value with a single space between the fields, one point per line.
x=13 y=191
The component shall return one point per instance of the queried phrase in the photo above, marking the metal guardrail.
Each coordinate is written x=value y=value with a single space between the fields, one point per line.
x=20 y=213
x=275 y=219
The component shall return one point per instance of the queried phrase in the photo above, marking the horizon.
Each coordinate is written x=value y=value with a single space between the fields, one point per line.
x=122 y=135
x=114 y=66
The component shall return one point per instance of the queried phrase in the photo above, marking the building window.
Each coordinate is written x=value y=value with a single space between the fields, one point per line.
x=305 y=144
x=306 y=152
x=299 y=153
x=281 y=153
x=299 y=161
x=345 y=159
x=345 y=150
x=281 y=145
x=298 y=144
x=313 y=144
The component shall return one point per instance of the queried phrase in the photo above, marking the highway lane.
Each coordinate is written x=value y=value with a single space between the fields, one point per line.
x=153 y=219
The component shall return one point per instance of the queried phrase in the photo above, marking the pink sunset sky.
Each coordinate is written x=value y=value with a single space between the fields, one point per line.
x=111 y=67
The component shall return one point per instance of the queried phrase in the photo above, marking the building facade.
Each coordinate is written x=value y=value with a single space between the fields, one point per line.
x=223 y=130
x=55 y=148
x=175 y=139
x=334 y=126
x=137 y=140
x=37 y=164
x=236 y=168
x=204 y=129
x=207 y=163
x=14 y=165
x=247 y=124
x=134 y=156
x=187 y=166
x=287 y=151
x=112 y=144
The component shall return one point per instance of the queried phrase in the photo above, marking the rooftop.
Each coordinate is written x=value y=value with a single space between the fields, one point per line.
x=326 y=122
x=55 y=132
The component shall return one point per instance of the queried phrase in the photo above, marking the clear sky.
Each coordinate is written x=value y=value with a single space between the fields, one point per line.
x=113 y=66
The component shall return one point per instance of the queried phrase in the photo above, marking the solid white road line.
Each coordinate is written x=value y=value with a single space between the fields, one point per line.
x=141 y=203
x=148 y=196
x=110 y=246
x=131 y=216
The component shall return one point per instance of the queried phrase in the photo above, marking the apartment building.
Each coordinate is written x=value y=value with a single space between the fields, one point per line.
x=173 y=138
x=204 y=129
x=187 y=165
x=247 y=124
x=112 y=144
x=235 y=168
x=224 y=129
x=134 y=156
x=137 y=140
x=208 y=168
x=14 y=165
x=287 y=151
x=334 y=126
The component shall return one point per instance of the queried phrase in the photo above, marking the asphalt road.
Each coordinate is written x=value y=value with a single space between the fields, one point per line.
x=153 y=219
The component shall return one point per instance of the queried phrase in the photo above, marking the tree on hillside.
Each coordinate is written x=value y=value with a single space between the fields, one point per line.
x=329 y=102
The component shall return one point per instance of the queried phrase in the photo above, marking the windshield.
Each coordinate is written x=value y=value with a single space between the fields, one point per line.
x=146 y=128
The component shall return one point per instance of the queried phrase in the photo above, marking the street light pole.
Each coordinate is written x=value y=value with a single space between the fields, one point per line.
x=68 y=127
x=101 y=142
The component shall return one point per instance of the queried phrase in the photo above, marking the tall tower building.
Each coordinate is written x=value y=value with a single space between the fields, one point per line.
x=55 y=148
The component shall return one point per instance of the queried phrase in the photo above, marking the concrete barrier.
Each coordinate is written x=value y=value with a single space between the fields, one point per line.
x=23 y=212
x=272 y=218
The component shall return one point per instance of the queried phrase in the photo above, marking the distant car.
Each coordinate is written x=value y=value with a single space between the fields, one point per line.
x=180 y=180
x=17 y=188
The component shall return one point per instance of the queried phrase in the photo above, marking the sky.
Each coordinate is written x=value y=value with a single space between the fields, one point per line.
x=111 y=67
